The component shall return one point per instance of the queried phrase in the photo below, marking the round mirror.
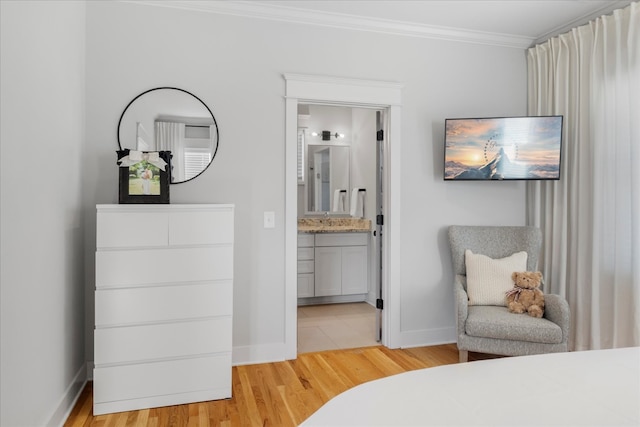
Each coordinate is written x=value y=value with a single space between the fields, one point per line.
x=171 y=119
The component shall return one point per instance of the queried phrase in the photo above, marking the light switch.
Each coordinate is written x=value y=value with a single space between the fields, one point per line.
x=269 y=220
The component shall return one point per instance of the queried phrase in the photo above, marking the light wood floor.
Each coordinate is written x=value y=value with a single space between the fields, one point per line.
x=278 y=394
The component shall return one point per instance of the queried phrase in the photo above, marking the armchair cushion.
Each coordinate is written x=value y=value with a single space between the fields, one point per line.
x=497 y=322
x=489 y=279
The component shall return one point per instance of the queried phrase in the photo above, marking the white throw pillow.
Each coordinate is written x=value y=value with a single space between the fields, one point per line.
x=488 y=279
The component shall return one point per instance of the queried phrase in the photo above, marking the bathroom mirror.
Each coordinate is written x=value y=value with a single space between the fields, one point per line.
x=327 y=183
x=171 y=119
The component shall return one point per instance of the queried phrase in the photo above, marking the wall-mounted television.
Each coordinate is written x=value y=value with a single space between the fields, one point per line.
x=503 y=148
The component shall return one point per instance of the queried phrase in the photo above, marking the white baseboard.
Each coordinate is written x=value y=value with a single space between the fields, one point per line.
x=69 y=398
x=252 y=354
x=425 y=337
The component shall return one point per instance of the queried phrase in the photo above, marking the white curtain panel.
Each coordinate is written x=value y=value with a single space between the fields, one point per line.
x=590 y=219
x=170 y=137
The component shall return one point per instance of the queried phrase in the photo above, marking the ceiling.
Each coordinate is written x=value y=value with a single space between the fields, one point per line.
x=512 y=23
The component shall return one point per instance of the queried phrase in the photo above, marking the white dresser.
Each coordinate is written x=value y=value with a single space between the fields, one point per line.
x=163 y=305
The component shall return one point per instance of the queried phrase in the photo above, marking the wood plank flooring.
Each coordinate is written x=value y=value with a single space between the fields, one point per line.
x=277 y=394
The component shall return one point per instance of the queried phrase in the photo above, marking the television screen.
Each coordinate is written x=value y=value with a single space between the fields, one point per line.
x=504 y=148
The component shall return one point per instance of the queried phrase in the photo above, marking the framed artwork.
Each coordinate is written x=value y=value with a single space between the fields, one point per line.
x=144 y=177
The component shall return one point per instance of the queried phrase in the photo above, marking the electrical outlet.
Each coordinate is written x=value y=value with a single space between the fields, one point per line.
x=269 y=220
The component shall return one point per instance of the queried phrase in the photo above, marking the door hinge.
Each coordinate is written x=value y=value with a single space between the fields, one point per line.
x=380 y=135
x=379 y=304
x=379 y=219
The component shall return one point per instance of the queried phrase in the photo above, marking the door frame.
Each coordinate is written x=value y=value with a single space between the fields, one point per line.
x=302 y=88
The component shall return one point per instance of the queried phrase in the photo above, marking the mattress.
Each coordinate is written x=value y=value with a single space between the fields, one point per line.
x=599 y=387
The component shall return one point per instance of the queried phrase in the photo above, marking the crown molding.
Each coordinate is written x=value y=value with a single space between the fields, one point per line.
x=583 y=20
x=254 y=9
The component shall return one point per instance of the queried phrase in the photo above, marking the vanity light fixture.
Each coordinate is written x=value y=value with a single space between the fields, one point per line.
x=326 y=135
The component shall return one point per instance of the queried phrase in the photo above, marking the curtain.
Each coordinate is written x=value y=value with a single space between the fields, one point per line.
x=142 y=138
x=170 y=137
x=590 y=218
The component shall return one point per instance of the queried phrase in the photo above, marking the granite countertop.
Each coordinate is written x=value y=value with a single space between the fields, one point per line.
x=334 y=225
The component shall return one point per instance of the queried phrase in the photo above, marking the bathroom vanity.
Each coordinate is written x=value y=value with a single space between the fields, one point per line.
x=333 y=260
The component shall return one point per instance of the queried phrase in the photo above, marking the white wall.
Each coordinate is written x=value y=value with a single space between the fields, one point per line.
x=235 y=66
x=42 y=142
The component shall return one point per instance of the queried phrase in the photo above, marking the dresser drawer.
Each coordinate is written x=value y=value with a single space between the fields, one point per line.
x=305 y=254
x=132 y=229
x=305 y=267
x=147 y=380
x=201 y=227
x=155 y=266
x=162 y=303
x=162 y=341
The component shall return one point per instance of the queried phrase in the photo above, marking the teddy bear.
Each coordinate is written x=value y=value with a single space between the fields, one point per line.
x=526 y=297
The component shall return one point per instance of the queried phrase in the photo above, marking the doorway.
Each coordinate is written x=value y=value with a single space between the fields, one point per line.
x=357 y=93
x=335 y=164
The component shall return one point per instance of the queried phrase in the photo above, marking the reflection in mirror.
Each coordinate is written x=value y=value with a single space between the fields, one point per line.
x=171 y=119
x=328 y=178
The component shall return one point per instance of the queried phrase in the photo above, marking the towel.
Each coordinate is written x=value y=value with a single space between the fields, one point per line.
x=338 y=200
x=357 y=203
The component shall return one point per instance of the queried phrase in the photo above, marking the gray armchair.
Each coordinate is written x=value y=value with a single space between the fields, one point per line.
x=493 y=329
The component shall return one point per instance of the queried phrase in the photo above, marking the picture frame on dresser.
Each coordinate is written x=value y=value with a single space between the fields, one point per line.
x=143 y=176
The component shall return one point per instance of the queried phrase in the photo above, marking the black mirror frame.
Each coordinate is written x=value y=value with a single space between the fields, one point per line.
x=213 y=156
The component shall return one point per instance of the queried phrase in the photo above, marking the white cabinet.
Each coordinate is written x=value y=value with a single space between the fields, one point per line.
x=341 y=263
x=163 y=305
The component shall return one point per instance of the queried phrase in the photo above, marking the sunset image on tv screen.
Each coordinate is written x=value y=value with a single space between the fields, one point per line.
x=503 y=148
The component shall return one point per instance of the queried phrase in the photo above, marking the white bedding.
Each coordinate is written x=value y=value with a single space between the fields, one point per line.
x=598 y=388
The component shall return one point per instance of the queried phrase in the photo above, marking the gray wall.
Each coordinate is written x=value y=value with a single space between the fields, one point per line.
x=235 y=66
x=42 y=175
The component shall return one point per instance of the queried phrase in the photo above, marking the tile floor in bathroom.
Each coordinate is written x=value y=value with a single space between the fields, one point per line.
x=336 y=326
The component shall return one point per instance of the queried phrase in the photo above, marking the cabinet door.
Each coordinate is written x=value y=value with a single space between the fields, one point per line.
x=328 y=268
x=305 y=285
x=354 y=270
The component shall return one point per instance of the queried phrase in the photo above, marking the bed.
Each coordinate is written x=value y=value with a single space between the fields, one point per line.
x=599 y=387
